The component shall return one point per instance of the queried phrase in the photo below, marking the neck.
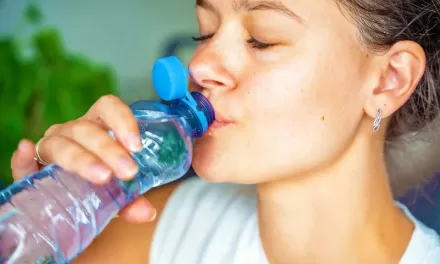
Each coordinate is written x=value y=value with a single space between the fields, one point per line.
x=344 y=213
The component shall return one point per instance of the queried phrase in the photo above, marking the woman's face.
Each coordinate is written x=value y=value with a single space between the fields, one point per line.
x=282 y=109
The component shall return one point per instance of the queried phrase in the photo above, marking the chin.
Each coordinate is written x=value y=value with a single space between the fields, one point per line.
x=207 y=174
x=216 y=163
x=207 y=162
x=216 y=173
x=226 y=155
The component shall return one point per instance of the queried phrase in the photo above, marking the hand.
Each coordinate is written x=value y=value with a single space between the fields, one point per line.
x=83 y=146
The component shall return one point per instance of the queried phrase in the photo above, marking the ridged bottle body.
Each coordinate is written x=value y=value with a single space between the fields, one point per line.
x=53 y=215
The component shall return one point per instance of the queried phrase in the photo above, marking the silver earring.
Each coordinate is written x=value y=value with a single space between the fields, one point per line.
x=377 y=120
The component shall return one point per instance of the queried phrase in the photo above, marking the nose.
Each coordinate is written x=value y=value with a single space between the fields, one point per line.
x=209 y=73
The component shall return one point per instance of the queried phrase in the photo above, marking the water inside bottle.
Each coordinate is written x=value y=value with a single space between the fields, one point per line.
x=55 y=214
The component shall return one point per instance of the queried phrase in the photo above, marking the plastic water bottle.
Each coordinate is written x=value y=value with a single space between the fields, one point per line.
x=53 y=215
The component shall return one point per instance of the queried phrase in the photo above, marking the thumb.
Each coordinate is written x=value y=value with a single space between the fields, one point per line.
x=22 y=161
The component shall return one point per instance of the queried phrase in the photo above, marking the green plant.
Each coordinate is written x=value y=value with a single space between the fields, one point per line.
x=42 y=83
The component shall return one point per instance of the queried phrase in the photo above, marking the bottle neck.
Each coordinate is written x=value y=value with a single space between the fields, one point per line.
x=192 y=123
x=196 y=111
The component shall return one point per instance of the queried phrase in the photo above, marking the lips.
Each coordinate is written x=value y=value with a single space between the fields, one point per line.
x=218 y=124
x=220 y=120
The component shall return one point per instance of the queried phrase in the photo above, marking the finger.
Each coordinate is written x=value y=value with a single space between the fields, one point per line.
x=22 y=161
x=117 y=116
x=52 y=129
x=96 y=140
x=139 y=211
x=72 y=157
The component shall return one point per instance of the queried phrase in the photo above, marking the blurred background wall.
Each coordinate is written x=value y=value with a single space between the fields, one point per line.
x=126 y=35
x=84 y=49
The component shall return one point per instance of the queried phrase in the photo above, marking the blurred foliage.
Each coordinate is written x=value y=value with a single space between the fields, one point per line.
x=49 y=86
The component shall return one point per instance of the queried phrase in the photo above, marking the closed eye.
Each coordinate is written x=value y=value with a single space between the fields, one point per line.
x=256 y=44
x=202 y=37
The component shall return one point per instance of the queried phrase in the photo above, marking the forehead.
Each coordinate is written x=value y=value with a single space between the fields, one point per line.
x=314 y=10
x=255 y=5
x=322 y=20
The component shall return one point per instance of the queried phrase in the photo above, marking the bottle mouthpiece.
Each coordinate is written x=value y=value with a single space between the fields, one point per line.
x=170 y=80
x=205 y=107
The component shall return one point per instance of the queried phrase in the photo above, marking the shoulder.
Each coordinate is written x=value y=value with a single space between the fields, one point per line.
x=208 y=223
x=424 y=246
x=429 y=240
x=433 y=257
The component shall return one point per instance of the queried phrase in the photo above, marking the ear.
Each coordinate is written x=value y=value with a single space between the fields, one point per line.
x=399 y=72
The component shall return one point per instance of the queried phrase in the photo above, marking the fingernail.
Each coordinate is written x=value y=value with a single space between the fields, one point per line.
x=100 y=173
x=134 y=143
x=154 y=214
x=128 y=167
x=23 y=146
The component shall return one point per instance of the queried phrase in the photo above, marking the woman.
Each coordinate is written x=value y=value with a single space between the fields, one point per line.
x=305 y=93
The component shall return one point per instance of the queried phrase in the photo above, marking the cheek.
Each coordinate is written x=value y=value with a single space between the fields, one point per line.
x=317 y=84
x=296 y=110
x=293 y=118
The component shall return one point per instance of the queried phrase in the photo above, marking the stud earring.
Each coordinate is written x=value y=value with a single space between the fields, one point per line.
x=377 y=120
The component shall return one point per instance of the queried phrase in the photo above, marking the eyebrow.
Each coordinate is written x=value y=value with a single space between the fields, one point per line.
x=254 y=6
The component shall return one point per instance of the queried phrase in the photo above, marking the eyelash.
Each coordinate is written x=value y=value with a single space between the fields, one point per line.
x=254 y=43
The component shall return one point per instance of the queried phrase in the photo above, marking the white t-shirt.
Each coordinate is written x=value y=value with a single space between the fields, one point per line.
x=205 y=223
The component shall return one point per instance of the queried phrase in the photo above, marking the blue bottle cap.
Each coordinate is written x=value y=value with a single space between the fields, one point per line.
x=170 y=78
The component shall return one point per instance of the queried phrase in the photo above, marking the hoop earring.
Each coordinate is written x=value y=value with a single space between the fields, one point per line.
x=377 y=120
